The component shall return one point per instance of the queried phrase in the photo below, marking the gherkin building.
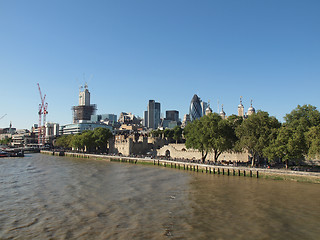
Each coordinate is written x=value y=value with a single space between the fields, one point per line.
x=195 y=110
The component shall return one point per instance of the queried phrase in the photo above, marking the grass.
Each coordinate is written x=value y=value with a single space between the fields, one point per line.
x=283 y=177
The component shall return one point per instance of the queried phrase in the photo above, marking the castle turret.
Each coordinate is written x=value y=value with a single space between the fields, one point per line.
x=240 y=108
x=251 y=110
x=222 y=113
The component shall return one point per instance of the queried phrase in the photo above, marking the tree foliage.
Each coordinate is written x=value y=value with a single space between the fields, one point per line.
x=210 y=134
x=90 y=140
x=177 y=133
x=255 y=133
x=313 y=141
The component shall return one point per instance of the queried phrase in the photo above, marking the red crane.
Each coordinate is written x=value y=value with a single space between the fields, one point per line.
x=42 y=110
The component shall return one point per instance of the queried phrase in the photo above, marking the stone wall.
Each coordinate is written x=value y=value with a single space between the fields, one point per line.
x=180 y=151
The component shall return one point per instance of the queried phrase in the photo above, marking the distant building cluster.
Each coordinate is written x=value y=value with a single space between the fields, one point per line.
x=85 y=118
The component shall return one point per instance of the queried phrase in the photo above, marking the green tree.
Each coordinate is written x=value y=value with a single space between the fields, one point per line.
x=288 y=145
x=304 y=120
x=305 y=116
x=88 y=140
x=197 y=137
x=101 y=137
x=64 y=141
x=5 y=141
x=313 y=141
x=77 y=142
x=210 y=134
x=168 y=134
x=177 y=133
x=254 y=133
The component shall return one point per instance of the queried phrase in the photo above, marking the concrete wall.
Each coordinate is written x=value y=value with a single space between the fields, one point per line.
x=180 y=151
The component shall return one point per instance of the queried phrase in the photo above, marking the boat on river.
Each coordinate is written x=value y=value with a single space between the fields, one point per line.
x=3 y=154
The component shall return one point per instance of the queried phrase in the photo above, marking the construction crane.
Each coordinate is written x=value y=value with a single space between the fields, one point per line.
x=42 y=111
x=3 y=116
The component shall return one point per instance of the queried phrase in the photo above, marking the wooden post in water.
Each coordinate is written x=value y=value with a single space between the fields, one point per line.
x=222 y=171
x=257 y=174
x=171 y=165
x=197 y=169
x=206 y=170
x=250 y=173
x=218 y=170
x=158 y=163
x=214 y=171
x=184 y=167
x=244 y=173
x=239 y=172
x=234 y=172
x=228 y=172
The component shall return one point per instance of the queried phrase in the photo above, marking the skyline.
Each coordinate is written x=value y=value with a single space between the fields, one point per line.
x=131 y=52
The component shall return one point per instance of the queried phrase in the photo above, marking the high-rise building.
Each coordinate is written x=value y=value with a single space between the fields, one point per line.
x=172 y=115
x=204 y=106
x=84 y=111
x=195 y=110
x=152 y=116
x=145 y=119
x=157 y=113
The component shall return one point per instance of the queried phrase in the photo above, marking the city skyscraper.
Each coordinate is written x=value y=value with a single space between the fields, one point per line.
x=84 y=111
x=152 y=114
x=172 y=115
x=195 y=110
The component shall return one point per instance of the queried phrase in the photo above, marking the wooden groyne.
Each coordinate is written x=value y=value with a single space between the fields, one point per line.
x=277 y=174
x=195 y=167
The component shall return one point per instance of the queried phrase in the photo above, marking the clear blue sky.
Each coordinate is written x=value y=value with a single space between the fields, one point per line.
x=132 y=51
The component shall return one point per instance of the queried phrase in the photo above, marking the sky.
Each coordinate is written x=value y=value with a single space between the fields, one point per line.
x=130 y=51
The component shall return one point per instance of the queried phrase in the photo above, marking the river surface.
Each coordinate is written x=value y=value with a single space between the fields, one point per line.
x=47 y=197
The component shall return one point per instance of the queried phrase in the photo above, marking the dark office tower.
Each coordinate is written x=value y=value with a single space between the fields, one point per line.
x=154 y=110
x=157 y=112
x=195 y=110
x=145 y=119
x=172 y=115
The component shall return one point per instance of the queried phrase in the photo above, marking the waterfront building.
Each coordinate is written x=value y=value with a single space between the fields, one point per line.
x=153 y=115
x=76 y=128
x=52 y=131
x=84 y=110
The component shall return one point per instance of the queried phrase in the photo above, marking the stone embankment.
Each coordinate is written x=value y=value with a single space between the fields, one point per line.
x=278 y=174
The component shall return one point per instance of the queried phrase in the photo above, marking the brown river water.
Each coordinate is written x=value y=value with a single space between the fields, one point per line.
x=47 y=197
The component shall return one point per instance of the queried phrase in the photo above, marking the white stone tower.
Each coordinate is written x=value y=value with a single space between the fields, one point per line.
x=240 y=108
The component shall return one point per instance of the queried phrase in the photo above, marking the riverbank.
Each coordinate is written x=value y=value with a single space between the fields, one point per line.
x=273 y=174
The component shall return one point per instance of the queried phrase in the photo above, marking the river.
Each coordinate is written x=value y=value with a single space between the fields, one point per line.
x=48 y=197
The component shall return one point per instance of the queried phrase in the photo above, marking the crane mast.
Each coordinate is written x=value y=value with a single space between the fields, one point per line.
x=42 y=111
